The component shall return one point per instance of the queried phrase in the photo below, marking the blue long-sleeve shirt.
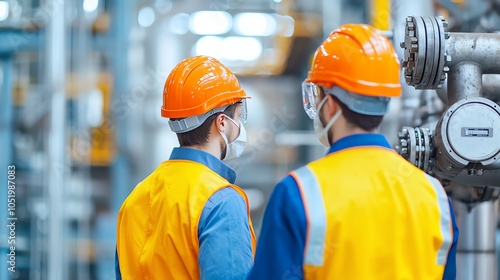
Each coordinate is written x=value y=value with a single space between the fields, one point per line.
x=280 y=249
x=223 y=230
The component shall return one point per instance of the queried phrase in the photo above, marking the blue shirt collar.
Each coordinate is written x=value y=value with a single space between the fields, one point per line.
x=356 y=140
x=207 y=159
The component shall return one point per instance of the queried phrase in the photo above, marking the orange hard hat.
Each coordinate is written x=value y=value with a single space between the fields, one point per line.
x=359 y=59
x=197 y=85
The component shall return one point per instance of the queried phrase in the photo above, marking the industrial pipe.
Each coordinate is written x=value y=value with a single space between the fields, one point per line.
x=490 y=89
x=464 y=149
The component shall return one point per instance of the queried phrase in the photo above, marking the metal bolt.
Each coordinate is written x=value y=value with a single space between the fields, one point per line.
x=441 y=80
x=449 y=167
x=471 y=172
x=410 y=25
x=402 y=45
x=445 y=23
x=479 y=172
x=447 y=35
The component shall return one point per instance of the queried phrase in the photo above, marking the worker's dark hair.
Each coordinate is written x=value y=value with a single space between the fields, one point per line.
x=199 y=135
x=364 y=122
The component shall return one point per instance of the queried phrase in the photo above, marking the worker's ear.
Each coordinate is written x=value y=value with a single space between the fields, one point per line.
x=220 y=124
x=331 y=106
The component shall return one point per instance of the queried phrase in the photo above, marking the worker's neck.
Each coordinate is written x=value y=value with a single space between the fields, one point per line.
x=212 y=147
x=345 y=130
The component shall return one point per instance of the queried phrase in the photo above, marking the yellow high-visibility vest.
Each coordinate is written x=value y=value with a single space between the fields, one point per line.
x=157 y=231
x=373 y=215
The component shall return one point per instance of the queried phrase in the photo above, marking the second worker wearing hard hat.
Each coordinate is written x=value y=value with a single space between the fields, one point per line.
x=187 y=220
x=362 y=211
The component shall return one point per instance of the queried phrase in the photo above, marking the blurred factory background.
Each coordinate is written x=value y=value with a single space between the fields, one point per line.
x=81 y=89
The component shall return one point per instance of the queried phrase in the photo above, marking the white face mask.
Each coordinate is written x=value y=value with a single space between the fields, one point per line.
x=322 y=132
x=235 y=148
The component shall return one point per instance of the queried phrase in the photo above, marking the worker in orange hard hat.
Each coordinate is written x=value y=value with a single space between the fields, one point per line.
x=362 y=211
x=187 y=220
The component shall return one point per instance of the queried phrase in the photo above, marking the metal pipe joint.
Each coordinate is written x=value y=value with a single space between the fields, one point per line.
x=467 y=136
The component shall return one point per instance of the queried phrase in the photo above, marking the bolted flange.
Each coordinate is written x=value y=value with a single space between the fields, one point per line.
x=425 y=57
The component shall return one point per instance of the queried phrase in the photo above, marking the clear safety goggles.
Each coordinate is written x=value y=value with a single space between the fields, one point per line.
x=244 y=112
x=310 y=98
x=365 y=105
x=190 y=123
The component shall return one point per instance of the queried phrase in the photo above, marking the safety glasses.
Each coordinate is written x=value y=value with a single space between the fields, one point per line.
x=190 y=123
x=244 y=113
x=310 y=98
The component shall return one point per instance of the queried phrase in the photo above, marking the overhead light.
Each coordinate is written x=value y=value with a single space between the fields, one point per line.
x=4 y=10
x=146 y=17
x=286 y=25
x=255 y=24
x=277 y=1
x=229 y=48
x=90 y=5
x=210 y=22
x=242 y=48
x=211 y=46
x=179 y=24
x=95 y=103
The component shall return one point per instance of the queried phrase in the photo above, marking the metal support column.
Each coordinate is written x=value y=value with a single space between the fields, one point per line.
x=118 y=53
x=380 y=16
x=57 y=164
x=5 y=158
x=476 y=258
